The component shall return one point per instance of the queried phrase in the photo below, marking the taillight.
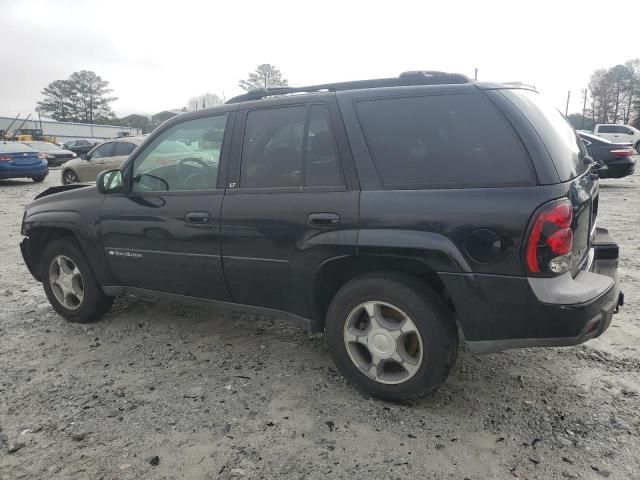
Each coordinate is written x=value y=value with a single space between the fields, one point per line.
x=623 y=152
x=550 y=242
x=42 y=155
x=5 y=158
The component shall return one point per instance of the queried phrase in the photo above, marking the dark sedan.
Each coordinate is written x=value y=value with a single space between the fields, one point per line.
x=618 y=157
x=55 y=155
x=80 y=146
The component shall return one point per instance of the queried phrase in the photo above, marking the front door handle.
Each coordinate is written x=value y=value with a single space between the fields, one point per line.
x=197 y=217
x=323 y=220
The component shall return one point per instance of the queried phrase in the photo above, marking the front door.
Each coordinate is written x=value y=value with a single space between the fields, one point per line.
x=89 y=169
x=163 y=233
x=288 y=207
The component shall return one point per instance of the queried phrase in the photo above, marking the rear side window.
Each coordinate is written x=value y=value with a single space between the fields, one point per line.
x=123 y=148
x=443 y=141
x=555 y=131
x=289 y=147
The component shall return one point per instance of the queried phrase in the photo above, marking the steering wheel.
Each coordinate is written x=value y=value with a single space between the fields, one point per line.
x=198 y=179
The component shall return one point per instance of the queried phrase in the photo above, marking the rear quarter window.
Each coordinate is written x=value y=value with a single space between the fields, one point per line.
x=555 y=131
x=444 y=141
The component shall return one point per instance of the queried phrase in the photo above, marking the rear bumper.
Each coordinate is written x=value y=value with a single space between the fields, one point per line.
x=620 y=167
x=13 y=171
x=513 y=312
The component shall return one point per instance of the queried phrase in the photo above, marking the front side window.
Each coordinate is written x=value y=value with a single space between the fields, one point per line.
x=104 y=150
x=185 y=157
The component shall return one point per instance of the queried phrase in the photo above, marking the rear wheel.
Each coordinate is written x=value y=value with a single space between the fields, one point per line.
x=39 y=178
x=69 y=176
x=638 y=148
x=70 y=284
x=391 y=336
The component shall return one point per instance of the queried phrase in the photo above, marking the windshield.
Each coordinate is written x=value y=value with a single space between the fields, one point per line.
x=46 y=146
x=14 y=147
x=561 y=140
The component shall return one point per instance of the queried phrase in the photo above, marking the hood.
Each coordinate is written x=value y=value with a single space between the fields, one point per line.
x=61 y=188
x=74 y=162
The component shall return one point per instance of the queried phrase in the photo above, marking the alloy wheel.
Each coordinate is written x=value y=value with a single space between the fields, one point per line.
x=66 y=282
x=383 y=342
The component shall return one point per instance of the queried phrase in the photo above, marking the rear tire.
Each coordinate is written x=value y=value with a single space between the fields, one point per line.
x=69 y=176
x=39 y=179
x=398 y=300
x=638 y=148
x=69 y=283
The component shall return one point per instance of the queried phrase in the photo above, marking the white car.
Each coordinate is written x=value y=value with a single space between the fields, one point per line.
x=617 y=133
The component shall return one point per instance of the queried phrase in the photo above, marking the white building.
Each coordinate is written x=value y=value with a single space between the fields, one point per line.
x=64 y=131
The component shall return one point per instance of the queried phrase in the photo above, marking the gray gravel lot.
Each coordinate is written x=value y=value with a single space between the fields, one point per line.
x=168 y=390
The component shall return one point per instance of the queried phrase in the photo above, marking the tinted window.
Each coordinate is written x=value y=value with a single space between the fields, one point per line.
x=104 y=150
x=184 y=157
x=123 y=148
x=442 y=141
x=613 y=129
x=272 y=148
x=322 y=166
x=554 y=129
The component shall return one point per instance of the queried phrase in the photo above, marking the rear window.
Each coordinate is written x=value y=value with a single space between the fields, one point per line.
x=566 y=150
x=443 y=141
x=15 y=147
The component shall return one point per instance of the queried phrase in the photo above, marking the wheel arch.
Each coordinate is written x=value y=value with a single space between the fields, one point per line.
x=333 y=274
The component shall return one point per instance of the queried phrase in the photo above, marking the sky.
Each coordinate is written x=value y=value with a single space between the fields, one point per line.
x=156 y=55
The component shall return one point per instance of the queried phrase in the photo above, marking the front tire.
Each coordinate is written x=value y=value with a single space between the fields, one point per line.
x=70 y=284
x=69 y=176
x=391 y=336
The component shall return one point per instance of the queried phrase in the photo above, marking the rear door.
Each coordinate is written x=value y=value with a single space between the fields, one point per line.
x=289 y=207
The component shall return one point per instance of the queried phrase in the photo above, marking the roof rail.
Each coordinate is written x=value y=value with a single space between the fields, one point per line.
x=411 y=78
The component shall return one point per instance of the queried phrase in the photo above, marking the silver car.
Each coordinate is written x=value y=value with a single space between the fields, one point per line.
x=105 y=156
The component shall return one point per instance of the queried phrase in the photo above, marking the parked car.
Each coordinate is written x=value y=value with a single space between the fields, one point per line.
x=55 y=155
x=390 y=214
x=80 y=146
x=619 y=134
x=617 y=157
x=18 y=160
x=104 y=156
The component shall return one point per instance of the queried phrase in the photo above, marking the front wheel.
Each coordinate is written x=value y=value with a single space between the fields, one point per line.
x=69 y=176
x=391 y=336
x=70 y=284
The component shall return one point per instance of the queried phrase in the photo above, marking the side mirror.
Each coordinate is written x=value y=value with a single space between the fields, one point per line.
x=84 y=156
x=109 y=181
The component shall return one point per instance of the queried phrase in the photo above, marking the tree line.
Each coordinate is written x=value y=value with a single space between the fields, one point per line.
x=613 y=96
x=85 y=97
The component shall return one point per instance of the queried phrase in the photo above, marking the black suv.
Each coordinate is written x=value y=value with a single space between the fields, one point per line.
x=395 y=215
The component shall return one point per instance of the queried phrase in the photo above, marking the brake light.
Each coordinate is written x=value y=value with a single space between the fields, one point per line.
x=626 y=152
x=42 y=155
x=550 y=242
x=5 y=158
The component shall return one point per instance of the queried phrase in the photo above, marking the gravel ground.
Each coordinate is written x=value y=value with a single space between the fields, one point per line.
x=166 y=390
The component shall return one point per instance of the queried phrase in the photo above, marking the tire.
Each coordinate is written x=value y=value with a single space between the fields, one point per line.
x=39 y=179
x=436 y=336
x=69 y=176
x=93 y=304
x=638 y=148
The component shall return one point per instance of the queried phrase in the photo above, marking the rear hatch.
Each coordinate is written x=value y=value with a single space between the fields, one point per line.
x=571 y=163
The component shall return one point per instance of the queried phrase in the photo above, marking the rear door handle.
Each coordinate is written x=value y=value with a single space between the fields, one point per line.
x=323 y=220
x=197 y=217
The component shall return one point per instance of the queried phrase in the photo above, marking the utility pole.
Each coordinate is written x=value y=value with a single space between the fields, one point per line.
x=566 y=110
x=475 y=75
x=584 y=107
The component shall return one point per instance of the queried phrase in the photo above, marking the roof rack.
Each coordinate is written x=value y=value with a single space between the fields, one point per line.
x=410 y=78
